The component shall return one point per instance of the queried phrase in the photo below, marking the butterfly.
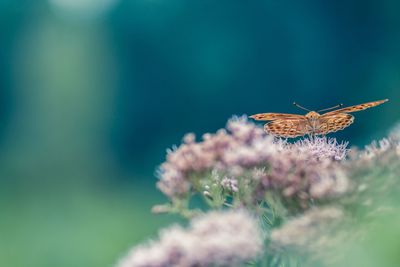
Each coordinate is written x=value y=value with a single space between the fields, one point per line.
x=313 y=123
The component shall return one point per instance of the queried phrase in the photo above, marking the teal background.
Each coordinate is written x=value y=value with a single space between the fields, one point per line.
x=93 y=92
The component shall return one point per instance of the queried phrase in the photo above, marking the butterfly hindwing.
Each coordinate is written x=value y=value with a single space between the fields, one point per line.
x=287 y=127
x=332 y=123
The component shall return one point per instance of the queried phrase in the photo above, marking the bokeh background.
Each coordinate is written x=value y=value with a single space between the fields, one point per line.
x=92 y=92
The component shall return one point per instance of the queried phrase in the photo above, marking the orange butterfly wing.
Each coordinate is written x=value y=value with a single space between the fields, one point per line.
x=356 y=107
x=275 y=116
x=287 y=127
x=329 y=123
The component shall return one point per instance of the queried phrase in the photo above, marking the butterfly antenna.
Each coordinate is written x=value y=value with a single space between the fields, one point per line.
x=297 y=105
x=337 y=106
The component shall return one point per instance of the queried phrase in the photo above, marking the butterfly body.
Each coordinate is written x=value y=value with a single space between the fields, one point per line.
x=313 y=120
x=312 y=123
x=312 y=115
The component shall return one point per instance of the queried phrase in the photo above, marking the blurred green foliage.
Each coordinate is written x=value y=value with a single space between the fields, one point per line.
x=80 y=227
x=92 y=92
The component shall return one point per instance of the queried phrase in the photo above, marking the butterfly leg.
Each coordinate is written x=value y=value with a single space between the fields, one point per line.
x=310 y=132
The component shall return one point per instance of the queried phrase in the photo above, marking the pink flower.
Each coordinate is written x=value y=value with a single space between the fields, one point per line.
x=220 y=150
x=376 y=149
x=230 y=184
x=305 y=170
x=323 y=147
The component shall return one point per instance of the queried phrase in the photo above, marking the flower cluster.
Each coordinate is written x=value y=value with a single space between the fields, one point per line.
x=244 y=154
x=288 y=203
x=380 y=150
x=376 y=149
x=301 y=175
x=213 y=152
x=215 y=239
x=323 y=147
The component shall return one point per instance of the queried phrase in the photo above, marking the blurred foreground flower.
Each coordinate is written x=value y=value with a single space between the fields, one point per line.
x=215 y=239
x=303 y=231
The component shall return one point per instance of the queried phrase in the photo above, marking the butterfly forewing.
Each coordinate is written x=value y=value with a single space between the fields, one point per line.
x=332 y=123
x=287 y=127
x=275 y=116
x=356 y=107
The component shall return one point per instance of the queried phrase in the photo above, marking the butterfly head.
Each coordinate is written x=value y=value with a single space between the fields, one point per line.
x=312 y=115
